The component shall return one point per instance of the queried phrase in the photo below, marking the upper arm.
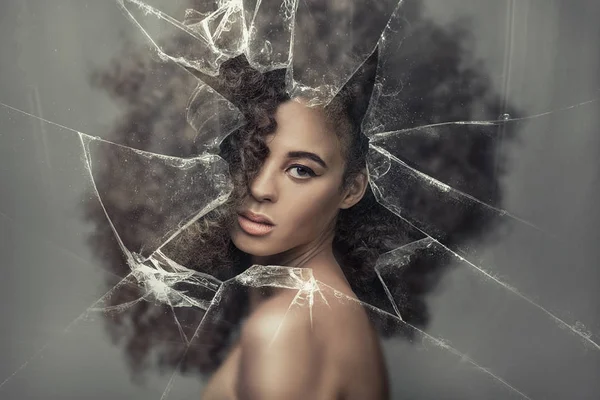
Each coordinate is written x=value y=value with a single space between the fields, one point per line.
x=279 y=359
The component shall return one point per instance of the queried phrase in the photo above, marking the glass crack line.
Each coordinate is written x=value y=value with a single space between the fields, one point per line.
x=439 y=342
x=573 y=328
x=64 y=331
x=447 y=188
x=382 y=135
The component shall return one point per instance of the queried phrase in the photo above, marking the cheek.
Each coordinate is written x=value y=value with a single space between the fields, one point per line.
x=301 y=214
x=311 y=208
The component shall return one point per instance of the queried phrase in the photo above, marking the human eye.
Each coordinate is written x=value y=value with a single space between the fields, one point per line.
x=301 y=172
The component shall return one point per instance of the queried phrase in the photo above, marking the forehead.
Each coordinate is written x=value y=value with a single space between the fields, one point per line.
x=303 y=128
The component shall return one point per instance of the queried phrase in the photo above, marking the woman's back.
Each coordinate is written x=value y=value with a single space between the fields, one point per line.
x=290 y=349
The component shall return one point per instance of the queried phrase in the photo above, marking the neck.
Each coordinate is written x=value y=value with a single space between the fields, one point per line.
x=318 y=256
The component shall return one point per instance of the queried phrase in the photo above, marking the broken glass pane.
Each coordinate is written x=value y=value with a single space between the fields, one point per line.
x=483 y=153
x=195 y=186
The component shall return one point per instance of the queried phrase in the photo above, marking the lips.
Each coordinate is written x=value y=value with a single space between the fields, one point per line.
x=261 y=219
x=255 y=224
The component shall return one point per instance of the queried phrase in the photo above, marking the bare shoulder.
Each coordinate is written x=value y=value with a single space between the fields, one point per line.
x=277 y=316
x=347 y=322
x=297 y=349
x=354 y=349
x=279 y=354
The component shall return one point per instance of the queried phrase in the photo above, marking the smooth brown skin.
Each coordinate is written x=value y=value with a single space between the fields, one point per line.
x=282 y=354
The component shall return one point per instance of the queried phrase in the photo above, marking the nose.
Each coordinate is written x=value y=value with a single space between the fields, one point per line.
x=264 y=186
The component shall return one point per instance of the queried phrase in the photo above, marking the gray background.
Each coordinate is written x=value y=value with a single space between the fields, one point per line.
x=49 y=276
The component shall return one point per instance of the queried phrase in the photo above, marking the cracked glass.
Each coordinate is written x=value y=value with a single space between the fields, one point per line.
x=482 y=155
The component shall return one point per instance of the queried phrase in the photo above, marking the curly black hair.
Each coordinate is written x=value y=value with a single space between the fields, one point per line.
x=258 y=95
x=153 y=97
x=362 y=232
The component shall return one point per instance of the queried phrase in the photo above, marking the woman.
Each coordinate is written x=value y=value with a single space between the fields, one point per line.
x=362 y=231
x=296 y=168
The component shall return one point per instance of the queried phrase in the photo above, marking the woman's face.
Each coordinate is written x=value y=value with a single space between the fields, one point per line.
x=298 y=189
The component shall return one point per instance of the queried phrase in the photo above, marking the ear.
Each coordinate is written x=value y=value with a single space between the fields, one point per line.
x=355 y=191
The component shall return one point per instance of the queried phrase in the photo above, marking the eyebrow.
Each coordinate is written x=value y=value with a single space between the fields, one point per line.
x=309 y=155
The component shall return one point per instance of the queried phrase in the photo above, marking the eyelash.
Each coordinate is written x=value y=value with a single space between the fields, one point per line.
x=309 y=171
